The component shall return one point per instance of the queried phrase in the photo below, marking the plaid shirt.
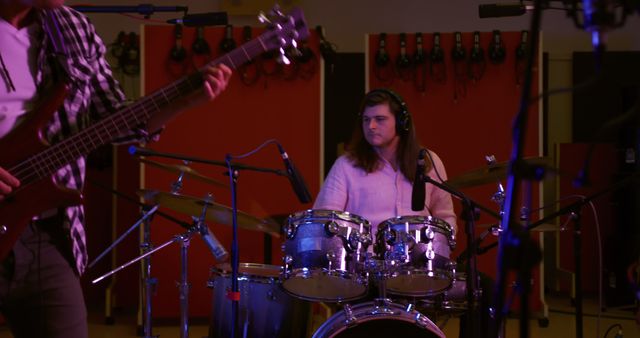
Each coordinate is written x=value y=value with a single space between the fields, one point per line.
x=94 y=93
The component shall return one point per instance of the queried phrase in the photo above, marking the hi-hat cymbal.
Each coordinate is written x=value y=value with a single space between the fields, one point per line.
x=179 y=168
x=215 y=212
x=492 y=173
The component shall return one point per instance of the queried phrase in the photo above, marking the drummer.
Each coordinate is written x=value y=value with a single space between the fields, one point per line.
x=374 y=179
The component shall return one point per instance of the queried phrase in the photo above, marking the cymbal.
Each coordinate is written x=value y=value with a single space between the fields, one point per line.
x=544 y=227
x=215 y=212
x=180 y=168
x=491 y=173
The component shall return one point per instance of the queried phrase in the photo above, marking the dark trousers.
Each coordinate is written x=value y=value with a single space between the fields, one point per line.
x=40 y=293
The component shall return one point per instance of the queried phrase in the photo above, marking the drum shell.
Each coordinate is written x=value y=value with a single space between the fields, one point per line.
x=323 y=255
x=418 y=249
x=264 y=309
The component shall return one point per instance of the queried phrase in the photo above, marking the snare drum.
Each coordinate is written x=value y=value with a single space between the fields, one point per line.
x=264 y=310
x=324 y=252
x=416 y=249
x=374 y=321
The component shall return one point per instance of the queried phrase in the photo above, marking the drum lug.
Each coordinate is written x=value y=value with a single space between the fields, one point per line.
x=390 y=236
x=350 y=320
x=410 y=307
x=331 y=256
x=291 y=231
x=285 y=271
x=271 y=296
x=428 y=233
x=332 y=228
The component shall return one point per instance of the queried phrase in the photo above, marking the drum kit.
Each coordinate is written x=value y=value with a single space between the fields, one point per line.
x=385 y=284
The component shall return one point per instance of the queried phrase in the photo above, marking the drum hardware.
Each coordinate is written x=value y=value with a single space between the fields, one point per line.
x=469 y=215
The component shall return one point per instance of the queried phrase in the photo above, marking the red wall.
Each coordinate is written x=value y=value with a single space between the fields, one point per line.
x=237 y=122
x=463 y=129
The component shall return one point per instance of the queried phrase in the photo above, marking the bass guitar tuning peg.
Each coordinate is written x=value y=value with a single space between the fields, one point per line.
x=282 y=58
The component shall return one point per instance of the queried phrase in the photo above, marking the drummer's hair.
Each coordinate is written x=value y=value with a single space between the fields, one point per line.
x=362 y=153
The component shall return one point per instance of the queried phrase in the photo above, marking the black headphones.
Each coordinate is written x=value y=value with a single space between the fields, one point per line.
x=403 y=118
x=497 y=52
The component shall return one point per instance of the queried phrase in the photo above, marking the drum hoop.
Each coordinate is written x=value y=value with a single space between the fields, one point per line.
x=309 y=215
x=362 y=313
x=249 y=271
x=438 y=223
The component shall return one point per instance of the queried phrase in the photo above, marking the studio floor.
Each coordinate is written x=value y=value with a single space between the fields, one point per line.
x=561 y=324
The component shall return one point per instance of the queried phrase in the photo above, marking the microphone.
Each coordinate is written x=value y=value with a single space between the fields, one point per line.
x=599 y=18
x=499 y=10
x=218 y=250
x=297 y=182
x=418 y=191
x=202 y=19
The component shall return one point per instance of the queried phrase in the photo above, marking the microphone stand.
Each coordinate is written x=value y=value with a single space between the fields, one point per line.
x=145 y=9
x=469 y=214
x=515 y=241
x=138 y=151
x=234 y=294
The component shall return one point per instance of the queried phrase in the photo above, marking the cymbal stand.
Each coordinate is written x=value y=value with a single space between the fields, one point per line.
x=149 y=281
x=184 y=238
x=145 y=247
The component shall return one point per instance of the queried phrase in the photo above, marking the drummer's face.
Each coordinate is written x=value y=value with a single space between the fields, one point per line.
x=379 y=126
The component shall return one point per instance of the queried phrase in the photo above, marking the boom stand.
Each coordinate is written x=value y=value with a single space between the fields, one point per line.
x=515 y=242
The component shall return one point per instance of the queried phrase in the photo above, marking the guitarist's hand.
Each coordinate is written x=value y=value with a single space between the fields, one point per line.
x=216 y=79
x=7 y=183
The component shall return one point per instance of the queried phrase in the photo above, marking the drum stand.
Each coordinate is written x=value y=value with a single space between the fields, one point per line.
x=469 y=214
x=381 y=302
